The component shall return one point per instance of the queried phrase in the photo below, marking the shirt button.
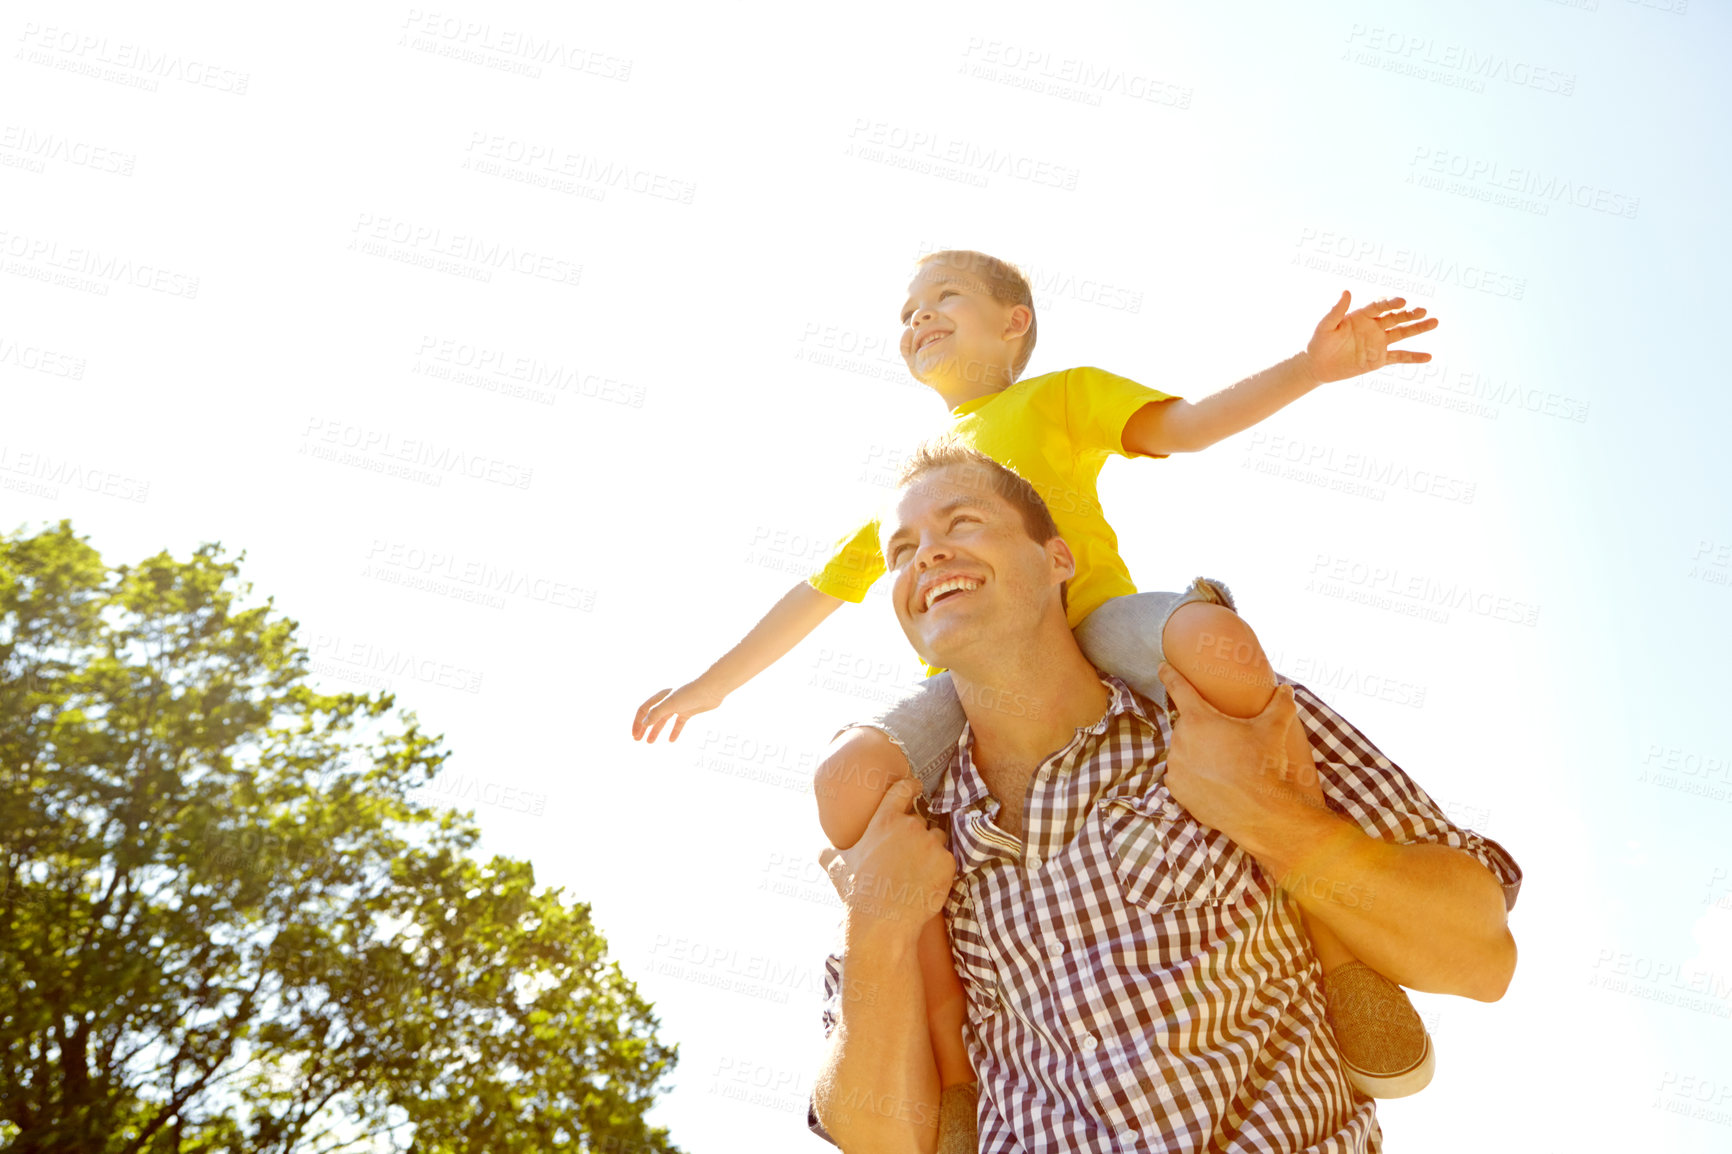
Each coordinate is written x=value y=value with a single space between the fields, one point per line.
x=1055 y=949
x=1091 y=1043
x=1034 y=863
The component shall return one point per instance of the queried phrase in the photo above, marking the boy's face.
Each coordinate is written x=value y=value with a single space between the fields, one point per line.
x=949 y=529
x=954 y=332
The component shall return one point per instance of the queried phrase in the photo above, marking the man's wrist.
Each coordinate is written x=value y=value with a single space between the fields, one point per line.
x=886 y=940
x=1296 y=835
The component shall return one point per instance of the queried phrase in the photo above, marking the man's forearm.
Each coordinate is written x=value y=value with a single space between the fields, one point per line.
x=878 y=1087
x=1256 y=398
x=1426 y=916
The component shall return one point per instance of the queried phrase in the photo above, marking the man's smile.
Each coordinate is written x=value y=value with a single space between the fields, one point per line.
x=947 y=587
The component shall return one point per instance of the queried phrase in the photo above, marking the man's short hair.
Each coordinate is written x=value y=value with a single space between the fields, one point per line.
x=1004 y=283
x=947 y=451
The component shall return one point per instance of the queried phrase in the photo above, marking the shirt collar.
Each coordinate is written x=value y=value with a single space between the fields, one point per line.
x=962 y=786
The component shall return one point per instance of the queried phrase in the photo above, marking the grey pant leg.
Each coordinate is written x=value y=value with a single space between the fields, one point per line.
x=925 y=723
x=1123 y=636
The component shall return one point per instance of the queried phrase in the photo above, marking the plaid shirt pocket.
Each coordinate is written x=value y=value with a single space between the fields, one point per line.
x=1165 y=859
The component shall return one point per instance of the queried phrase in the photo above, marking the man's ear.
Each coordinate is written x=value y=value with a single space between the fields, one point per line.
x=1063 y=562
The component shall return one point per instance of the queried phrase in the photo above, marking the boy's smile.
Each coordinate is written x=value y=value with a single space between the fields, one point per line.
x=955 y=337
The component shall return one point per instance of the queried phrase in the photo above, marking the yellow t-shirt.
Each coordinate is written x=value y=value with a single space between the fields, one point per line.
x=1056 y=431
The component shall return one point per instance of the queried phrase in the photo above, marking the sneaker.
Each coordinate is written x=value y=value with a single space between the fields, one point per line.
x=1383 y=1043
x=958 y=1132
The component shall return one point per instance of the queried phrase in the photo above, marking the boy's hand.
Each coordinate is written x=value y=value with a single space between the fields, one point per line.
x=1347 y=344
x=688 y=699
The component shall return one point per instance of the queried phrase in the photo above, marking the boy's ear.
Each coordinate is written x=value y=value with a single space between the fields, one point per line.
x=1016 y=325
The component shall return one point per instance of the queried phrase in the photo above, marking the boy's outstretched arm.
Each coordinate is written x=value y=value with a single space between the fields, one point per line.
x=783 y=627
x=1345 y=344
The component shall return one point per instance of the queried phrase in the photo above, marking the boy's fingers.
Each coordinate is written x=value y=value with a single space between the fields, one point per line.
x=1339 y=311
x=679 y=725
x=1402 y=332
x=642 y=717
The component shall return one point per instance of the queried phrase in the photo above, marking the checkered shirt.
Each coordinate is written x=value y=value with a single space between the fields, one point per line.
x=1134 y=982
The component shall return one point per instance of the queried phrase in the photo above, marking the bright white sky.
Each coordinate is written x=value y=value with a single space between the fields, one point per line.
x=717 y=313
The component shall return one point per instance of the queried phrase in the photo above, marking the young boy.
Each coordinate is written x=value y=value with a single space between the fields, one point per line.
x=968 y=333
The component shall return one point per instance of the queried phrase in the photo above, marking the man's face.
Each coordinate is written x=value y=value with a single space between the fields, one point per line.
x=964 y=569
x=952 y=329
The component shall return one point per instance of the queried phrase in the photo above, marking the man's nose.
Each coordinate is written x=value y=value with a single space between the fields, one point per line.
x=934 y=550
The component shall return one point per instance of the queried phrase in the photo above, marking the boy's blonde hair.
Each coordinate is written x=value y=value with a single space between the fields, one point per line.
x=1004 y=282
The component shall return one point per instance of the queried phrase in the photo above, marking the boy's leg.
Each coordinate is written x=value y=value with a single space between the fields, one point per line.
x=1389 y=1054
x=1219 y=653
x=851 y=782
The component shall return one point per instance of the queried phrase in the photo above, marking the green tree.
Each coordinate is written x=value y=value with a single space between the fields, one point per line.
x=228 y=921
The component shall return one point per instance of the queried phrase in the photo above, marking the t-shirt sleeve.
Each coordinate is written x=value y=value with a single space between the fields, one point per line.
x=1372 y=791
x=854 y=564
x=1098 y=404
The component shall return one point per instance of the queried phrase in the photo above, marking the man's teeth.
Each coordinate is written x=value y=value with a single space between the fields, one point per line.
x=964 y=584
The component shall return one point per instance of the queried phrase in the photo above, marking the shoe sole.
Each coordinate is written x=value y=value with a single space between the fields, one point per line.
x=1397 y=1085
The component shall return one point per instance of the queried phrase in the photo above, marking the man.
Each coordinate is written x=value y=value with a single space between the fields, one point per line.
x=1135 y=978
